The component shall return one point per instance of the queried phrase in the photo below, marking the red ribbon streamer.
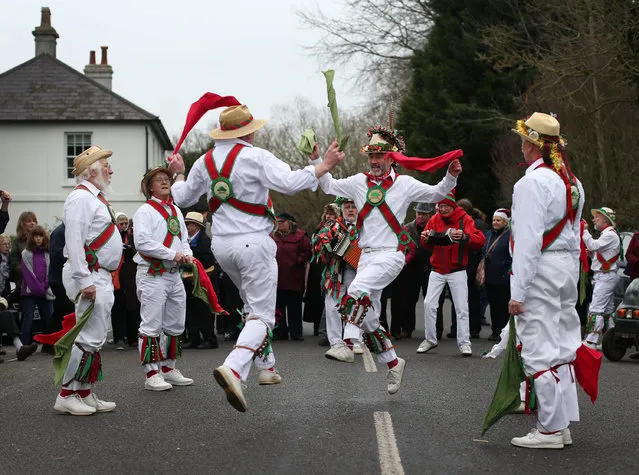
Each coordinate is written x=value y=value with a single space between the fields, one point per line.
x=425 y=164
x=207 y=102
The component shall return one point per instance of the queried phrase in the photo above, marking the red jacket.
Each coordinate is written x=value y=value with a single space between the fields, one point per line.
x=293 y=252
x=453 y=257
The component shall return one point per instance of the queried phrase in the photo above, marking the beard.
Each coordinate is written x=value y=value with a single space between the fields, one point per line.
x=103 y=184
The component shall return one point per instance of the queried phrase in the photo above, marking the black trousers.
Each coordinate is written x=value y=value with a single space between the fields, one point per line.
x=199 y=321
x=230 y=300
x=289 y=307
x=498 y=297
x=405 y=296
x=125 y=323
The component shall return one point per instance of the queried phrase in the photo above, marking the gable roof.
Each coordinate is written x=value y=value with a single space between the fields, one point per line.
x=46 y=89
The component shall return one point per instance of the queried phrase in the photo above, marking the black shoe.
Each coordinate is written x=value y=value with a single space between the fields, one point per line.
x=474 y=336
x=207 y=345
x=48 y=349
x=323 y=342
x=297 y=338
x=192 y=345
x=451 y=335
x=26 y=351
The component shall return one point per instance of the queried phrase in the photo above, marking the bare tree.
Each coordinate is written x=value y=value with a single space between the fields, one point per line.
x=586 y=69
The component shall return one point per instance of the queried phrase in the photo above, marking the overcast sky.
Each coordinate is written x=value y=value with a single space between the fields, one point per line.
x=166 y=53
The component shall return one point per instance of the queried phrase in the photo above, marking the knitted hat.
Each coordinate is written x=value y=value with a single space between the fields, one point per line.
x=286 y=216
x=88 y=158
x=608 y=213
x=502 y=213
x=449 y=200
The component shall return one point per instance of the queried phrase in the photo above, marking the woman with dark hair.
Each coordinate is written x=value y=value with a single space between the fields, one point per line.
x=35 y=283
x=26 y=223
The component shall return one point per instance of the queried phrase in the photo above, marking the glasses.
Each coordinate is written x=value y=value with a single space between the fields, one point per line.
x=161 y=181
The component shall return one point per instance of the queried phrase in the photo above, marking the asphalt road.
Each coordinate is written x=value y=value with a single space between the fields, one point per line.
x=319 y=420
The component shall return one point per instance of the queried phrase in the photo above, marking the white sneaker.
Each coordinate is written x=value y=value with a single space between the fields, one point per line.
x=466 y=349
x=73 y=405
x=269 y=377
x=357 y=349
x=566 y=436
x=340 y=353
x=521 y=409
x=156 y=383
x=100 y=406
x=536 y=440
x=175 y=378
x=232 y=386
x=395 y=376
x=425 y=346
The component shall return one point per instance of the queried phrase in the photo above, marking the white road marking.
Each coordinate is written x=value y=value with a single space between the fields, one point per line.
x=389 y=461
x=369 y=363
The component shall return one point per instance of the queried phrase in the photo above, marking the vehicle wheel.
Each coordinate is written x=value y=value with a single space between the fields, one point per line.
x=613 y=348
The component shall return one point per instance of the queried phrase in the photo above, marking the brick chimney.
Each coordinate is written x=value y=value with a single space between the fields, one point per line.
x=101 y=73
x=45 y=35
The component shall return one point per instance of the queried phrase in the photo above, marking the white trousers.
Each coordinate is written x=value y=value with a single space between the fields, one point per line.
x=550 y=333
x=375 y=271
x=94 y=333
x=334 y=324
x=602 y=304
x=458 y=285
x=162 y=309
x=249 y=260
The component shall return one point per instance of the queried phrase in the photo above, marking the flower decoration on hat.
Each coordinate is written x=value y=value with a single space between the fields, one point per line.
x=384 y=139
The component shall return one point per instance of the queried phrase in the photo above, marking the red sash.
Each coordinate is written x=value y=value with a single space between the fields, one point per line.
x=606 y=264
x=157 y=265
x=90 y=251
x=222 y=189
x=376 y=198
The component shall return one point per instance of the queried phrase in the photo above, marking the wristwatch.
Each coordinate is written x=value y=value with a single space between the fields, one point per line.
x=175 y=175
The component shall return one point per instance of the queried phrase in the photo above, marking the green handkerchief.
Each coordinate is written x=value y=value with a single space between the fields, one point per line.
x=307 y=142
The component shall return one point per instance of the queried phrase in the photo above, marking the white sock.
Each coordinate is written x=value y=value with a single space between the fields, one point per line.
x=17 y=343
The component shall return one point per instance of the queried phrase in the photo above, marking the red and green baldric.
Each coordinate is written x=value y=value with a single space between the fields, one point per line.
x=572 y=203
x=376 y=198
x=90 y=251
x=222 y=188
x=156 y=266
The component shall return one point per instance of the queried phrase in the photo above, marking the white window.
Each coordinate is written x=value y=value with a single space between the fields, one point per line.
x=77 y=142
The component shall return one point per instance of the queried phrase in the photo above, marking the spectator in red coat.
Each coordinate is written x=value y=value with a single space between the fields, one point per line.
x=293 y=252
x=450 y=233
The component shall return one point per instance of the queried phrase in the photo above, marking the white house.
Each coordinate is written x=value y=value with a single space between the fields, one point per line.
x=49 y=113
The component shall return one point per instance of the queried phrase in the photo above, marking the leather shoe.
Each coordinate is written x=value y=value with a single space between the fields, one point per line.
x=26 y=350
x=207 y=345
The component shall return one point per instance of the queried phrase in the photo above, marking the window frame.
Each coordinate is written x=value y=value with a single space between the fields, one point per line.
x=78 y=149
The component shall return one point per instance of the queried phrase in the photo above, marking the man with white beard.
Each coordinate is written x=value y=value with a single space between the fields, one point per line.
x=93 y=250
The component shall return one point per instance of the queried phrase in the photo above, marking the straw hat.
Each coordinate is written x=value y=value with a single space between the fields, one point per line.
x=608 y=213
x=89 y=157
x=194 y=217
x=538 y=128
x=148 y=176
x=236 y=121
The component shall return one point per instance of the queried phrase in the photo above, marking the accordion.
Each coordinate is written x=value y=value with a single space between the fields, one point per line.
x=348 y=250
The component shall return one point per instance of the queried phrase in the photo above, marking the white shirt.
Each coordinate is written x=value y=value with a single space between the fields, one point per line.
x=608 y=245
x=149 y=231
x=85 y=217
x=539 y=203
x=256 y=171
x=375 y=231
